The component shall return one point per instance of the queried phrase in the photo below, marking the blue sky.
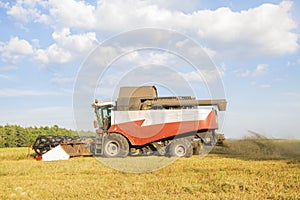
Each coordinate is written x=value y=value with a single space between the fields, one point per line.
x=254 y=44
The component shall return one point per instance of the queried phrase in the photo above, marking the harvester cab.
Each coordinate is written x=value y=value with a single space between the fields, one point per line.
x=103 y=112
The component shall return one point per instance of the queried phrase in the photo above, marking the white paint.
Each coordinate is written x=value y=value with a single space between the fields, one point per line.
x=58 y=153
x=153 y=117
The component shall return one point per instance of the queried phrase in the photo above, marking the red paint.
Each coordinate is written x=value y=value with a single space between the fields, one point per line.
x=140 y=135
x=39 y=158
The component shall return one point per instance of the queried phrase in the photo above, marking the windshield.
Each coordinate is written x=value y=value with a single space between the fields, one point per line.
x=103 y=115
x=106 y=112
x=99 y=117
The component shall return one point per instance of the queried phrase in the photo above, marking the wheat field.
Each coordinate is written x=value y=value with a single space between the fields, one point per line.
x=219 y=175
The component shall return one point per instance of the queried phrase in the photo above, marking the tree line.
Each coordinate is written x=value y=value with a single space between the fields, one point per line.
x=17 y=136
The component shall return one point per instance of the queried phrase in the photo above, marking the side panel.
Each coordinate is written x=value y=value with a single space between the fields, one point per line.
x=145 y=126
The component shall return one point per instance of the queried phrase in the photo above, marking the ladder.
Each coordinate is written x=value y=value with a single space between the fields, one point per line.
x=99 y=141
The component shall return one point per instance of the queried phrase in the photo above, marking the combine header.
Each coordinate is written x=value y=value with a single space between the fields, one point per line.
x=72 y=145
x=141 y=123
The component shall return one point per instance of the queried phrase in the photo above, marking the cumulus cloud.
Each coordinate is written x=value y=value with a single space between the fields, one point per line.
x=26 y=11
x=71 y=13
x=263 y=30
x=75 y=42
x=14 y=49
x=53 y=53
x=67 y=47
x=254 y=31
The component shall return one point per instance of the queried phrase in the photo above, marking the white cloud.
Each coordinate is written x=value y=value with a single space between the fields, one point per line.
x=14 y=49
x=41 y=56
x=76 y=42
x=53 y=53
x=202 y=75
x=145 y=58
x=68 y=47
x=188 y=6
x=263 y=30
x=254 y=31
x=211 y=53
x=22 y=14
x=70 y=13
x=196 y=51
x=242 y=72
x=260 y=69
x=4 y=5
x=27 y=10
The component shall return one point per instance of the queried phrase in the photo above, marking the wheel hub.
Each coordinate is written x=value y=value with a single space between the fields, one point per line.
x=180 y=150
x=112 y=148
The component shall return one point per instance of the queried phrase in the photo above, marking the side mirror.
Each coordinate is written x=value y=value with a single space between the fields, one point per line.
x=96 y=124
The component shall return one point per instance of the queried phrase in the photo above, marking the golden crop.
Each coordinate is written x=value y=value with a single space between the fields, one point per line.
x=220 y=175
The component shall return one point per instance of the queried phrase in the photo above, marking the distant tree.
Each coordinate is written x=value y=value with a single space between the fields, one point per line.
x=2 y=137
x=10 y=136
x=22 y=137
x=55 y=128
x=17 y=136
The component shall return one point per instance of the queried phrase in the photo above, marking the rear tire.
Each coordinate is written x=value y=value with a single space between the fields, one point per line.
x=181 y=148
x=115 y=145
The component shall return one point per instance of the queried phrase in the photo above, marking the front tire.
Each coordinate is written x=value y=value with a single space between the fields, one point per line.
x=181 y=148
x=115 y=145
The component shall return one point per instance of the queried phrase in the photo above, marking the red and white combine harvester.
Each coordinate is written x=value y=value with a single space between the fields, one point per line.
x=141 y=123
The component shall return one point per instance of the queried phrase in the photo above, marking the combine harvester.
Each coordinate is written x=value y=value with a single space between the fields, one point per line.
x=141 y=123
